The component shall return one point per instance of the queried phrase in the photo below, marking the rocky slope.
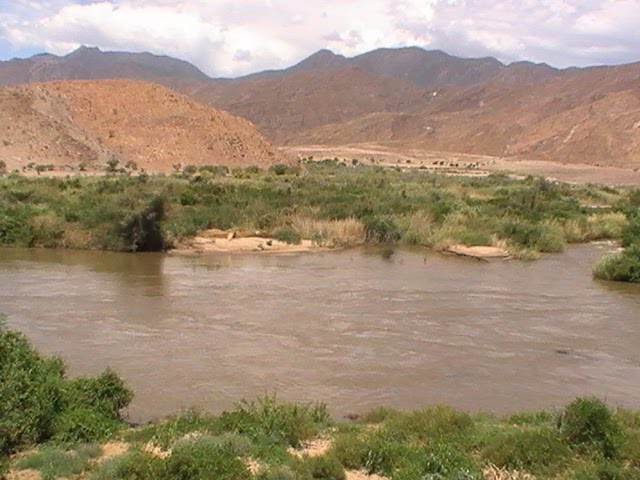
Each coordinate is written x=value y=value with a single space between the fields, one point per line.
x=74 y=122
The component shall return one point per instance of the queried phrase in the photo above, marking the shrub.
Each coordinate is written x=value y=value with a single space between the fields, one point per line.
x=590 y=423
x=165 y=433
x=288 y=235
x=3 y=167
x=134 y=465
x=106 y=393
x=602 y=471
x=35 y=399
x=351 y=449
x=141 y=230
x=30 y=396
x=428 y=424
x=83 y=424
x=534 y=451
x=53 y=462
x=278 y=472
x=283 y=169
x=621 y=267
x=325 y=467
x=112 y=165
x=631 y=235
x=378 y=415
x=279 y=423
x=232 y=443
x=550 y=239
x=203 y=458
x=381 y=230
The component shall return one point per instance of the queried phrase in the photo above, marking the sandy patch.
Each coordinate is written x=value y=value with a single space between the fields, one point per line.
x=156 y=451
x=113 y=449
x=478 y=252
x=218 y=241
x=23 y=475
x=253 y=466
x=312 y=448
x=495 y=473
x=363 y=475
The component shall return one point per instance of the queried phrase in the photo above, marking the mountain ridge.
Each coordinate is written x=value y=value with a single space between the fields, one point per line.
x=410 y=97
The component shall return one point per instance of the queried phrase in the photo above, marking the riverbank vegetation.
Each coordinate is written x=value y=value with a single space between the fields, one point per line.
x=54 y=427
x=326 y=202
x=624 y=266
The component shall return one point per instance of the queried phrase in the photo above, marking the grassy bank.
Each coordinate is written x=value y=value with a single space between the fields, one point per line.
x=624 y=266
x=73 y=428
x=325 y=202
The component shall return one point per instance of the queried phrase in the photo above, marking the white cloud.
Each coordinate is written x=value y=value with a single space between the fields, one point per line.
x=226 y=37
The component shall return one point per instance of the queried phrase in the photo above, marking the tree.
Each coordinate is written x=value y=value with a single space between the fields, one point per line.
x=3 y=167
x=112 y=164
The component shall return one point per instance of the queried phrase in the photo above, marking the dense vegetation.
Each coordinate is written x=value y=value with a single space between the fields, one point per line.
x=587 y=440
x=624 y=266
x=38 y=403
x=322 y=201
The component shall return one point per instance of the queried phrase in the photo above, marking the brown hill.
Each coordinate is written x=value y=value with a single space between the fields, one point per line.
x=585 y=116
x=281 y=105
x=92 y=63
x=68 y=123
x=406 y=97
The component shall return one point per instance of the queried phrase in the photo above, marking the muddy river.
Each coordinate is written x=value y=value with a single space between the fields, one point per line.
x=349 y=328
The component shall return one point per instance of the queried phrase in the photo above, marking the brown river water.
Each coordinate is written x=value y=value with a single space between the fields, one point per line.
x=347 y=327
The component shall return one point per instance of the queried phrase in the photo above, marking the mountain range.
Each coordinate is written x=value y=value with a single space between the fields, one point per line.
x=403 y=98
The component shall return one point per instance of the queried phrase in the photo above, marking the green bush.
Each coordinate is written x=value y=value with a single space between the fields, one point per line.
x=631 y=235
x=620 y=267
x=168 y=431
x=53 y=462
x=535 y=451
x=35 y=403
x=381 y=230
x=550 y=239
x=30 y=394
x=325 y=467
x=603 y=471
x=431 y=423
x=107 y=393
x=283 y=169
x=589 y=423
x=204 y=458
x=351 y=449
x=288 y=235
x=134 y=465
x=84 y=424
x=266 y=420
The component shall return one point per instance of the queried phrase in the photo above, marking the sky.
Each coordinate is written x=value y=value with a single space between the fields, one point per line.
x=232 y=38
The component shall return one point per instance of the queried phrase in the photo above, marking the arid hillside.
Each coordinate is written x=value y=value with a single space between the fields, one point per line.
x=87 y=122
x=405 y=98
x=586 y=116
x=303 y=99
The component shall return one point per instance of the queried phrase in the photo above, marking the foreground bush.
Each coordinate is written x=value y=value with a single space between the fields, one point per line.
x=37 y=401
x=590 y=423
